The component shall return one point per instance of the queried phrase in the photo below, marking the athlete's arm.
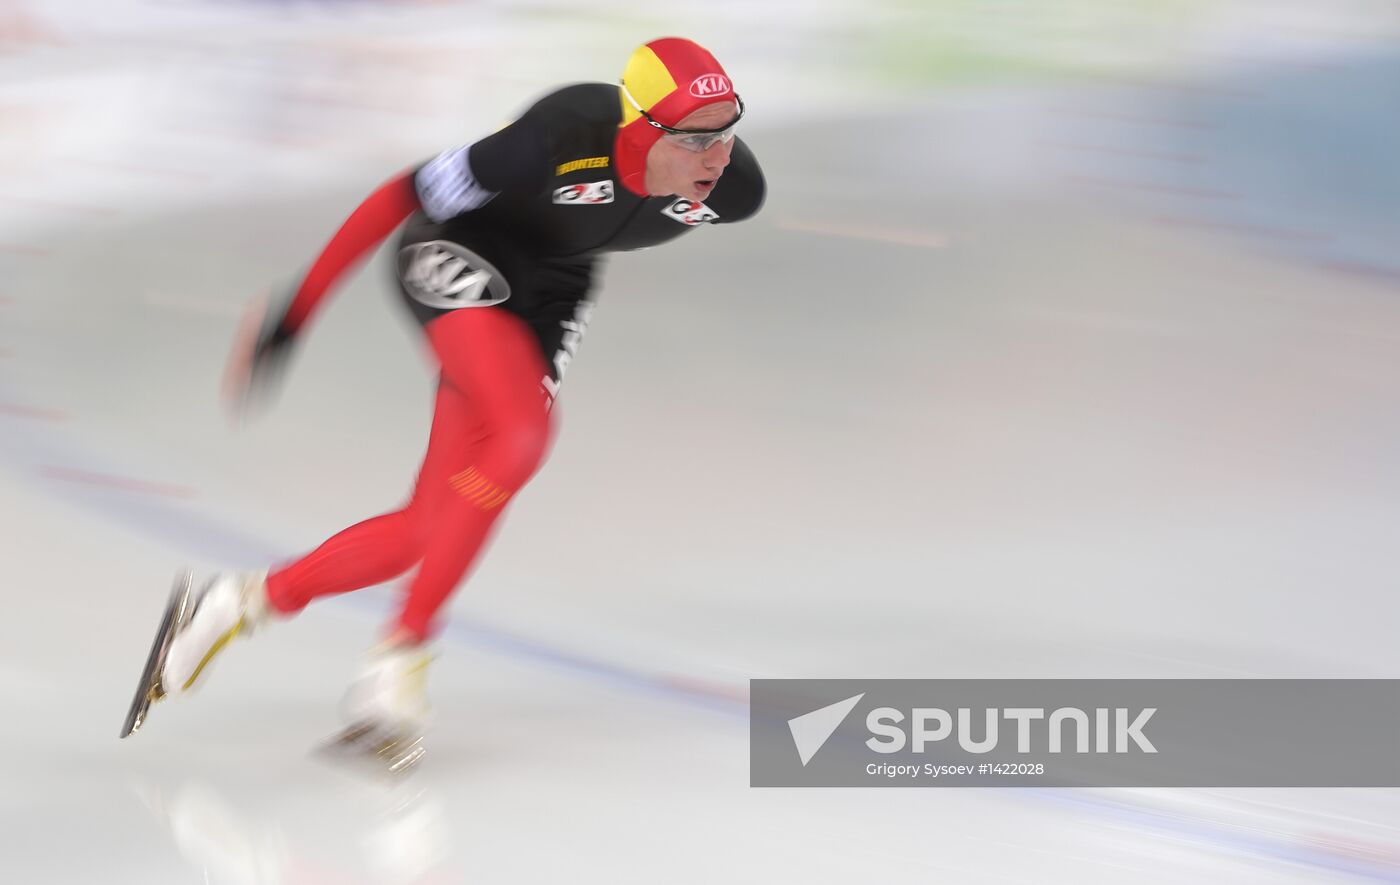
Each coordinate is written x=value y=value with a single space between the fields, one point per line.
x=463 y=179
x=367 y=226
x=261 y=347
x=452 y=183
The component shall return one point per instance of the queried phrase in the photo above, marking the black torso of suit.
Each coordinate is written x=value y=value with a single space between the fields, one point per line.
x=541 y=199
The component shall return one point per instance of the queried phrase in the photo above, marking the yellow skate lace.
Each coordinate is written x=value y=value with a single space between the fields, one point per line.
x=214 y=649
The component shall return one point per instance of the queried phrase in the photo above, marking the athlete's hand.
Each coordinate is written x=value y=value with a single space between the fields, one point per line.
x=258 y=359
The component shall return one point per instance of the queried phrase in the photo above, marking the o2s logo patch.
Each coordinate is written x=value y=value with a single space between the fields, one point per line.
x=589 y=194
x=689 y=212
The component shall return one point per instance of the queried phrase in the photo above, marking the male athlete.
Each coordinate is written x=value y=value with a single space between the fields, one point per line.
x=497 y=263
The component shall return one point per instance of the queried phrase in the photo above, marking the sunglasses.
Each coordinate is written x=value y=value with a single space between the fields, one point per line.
x=691 y=139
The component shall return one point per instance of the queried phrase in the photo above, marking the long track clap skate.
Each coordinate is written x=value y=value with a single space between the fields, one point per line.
x=372 y=748
x=178 y=610
x=387 y=708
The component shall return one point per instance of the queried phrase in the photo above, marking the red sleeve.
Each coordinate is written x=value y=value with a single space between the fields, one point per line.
x=367 y=226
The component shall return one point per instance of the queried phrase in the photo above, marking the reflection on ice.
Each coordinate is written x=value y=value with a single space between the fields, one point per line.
x=389 y=832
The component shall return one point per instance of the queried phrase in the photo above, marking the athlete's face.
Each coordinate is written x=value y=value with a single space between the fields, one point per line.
x=675 y=169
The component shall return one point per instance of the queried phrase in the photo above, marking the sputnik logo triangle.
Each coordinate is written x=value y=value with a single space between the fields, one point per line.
x=811 y=730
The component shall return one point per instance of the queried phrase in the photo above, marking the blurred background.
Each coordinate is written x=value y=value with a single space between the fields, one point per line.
x=1065 y=346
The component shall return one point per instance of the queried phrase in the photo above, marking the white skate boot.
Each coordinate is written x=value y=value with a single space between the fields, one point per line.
x=387 y=708
x=230 y=605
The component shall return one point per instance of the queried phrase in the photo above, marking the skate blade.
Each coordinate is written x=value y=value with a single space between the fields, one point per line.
x=148 y=688
x=370 y=748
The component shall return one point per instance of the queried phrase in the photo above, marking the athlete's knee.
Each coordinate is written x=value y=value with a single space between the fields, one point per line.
x=418 y=518
x=523 y=449
x=511 y=455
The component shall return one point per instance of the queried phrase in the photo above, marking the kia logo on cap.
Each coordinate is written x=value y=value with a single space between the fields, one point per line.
x=707 y=85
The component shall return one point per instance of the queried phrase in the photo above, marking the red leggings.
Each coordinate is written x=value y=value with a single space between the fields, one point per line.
x=490 y=431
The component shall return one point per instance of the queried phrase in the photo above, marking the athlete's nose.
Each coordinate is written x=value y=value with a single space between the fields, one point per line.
x=717 y=157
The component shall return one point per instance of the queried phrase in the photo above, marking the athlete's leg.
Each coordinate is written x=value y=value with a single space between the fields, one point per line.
x=490 y=430
x=494 y=359
x=385 y=546
x=370 y=552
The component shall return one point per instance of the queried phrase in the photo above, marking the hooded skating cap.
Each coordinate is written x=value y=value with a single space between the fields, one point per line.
x=670 y=78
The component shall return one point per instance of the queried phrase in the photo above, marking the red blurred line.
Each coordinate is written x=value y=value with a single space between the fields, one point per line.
x=56 y=204
x=17 y=411
x=712 y=689
x=927 y=239
x=1190 y=87
x=1119 y=117
x=1261 y=58
x=1144 y=153
x=1361 y=268
x=340 y=102
x=1150 y=82
x=395 y=54
x=1329 y=30
x=23 y=250
x=1282 y=233
x=257 y=137
x=1351 y=846
x=1180 y=190
x=69 y=474
x=163 y=171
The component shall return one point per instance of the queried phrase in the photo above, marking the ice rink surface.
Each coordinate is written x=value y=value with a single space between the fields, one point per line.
x=1066 y=345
